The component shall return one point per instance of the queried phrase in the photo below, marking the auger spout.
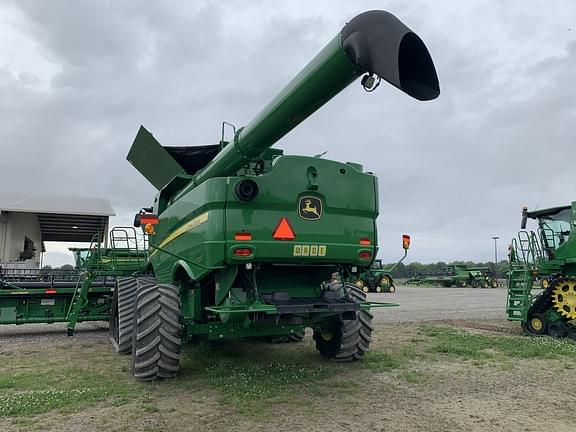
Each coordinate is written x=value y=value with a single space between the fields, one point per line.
x=374 y=43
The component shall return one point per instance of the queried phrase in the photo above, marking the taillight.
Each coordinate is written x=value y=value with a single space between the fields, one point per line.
x=243 y=236
x=365 y=255
x=365 y=241
x=242 y=252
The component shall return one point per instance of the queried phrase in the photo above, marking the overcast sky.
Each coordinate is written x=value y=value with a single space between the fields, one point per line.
x=77 y=78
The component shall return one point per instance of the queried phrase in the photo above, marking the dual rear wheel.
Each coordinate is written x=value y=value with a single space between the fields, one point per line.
x=154 y=336
x=145 y=322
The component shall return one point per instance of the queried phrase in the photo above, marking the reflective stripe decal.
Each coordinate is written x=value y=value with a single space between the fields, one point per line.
x=188 y=226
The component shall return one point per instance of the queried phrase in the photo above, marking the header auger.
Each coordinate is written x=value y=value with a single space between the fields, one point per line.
x=244 y=241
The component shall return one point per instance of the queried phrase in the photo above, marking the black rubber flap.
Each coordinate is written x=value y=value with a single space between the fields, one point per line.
x=380 y=43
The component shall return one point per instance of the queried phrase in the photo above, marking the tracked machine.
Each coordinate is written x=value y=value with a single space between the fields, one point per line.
x=245 y=241
x=542 y=277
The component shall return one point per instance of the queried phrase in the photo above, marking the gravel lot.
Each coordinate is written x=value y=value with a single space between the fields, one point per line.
x=416 y=378
x=424 y=304
x=416 y=304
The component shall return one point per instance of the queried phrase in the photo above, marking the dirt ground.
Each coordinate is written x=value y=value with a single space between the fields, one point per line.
x=406 y=385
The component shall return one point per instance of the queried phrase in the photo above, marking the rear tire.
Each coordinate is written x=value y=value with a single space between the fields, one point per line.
x=348 y=340
x=122 y=315
x=157 y=335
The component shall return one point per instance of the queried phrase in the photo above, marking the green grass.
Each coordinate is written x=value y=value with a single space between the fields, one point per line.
x=33 y=384
x=414 y=377
x=459 y=343
x=253 y=377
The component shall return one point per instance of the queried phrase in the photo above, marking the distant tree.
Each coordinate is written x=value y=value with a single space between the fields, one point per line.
x=416 y=268
x=67 y=267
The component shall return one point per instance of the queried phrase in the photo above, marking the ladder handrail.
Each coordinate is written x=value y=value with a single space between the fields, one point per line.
x=126 y=239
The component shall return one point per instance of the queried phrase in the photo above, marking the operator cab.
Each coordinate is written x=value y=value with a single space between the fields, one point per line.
x=554 y=225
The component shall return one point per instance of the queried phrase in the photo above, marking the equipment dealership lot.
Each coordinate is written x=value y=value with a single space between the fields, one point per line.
x=470 y=371
x=441 y=303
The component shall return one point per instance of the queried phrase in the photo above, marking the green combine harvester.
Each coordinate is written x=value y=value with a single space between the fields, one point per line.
x=378 y=278
x=542 y=278
x=247 y=242
x=85 y=294
x=458 y=275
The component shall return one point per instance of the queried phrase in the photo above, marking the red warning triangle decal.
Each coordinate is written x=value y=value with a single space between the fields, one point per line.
x=284 y=231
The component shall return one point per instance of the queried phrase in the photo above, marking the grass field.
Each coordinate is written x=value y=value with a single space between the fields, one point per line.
x=435 y=376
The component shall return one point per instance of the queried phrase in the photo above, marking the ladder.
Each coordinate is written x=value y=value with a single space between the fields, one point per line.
x=519 y=292
x=526 y=252
x=80 y=297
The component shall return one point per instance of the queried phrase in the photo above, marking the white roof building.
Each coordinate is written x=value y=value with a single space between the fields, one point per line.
x=27 y=220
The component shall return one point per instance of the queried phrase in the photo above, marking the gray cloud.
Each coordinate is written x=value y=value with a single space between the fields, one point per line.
x=452 y=172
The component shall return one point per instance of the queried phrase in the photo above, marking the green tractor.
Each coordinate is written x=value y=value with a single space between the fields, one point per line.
x=377 y=278
x=247 y=242
x=542 y=277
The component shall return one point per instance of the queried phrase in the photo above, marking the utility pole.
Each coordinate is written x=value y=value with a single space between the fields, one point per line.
x=495 y=238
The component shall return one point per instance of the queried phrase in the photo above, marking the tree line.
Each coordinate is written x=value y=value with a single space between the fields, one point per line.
x=417 y=268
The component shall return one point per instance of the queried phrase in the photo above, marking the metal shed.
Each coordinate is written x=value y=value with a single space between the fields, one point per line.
x=27 y=220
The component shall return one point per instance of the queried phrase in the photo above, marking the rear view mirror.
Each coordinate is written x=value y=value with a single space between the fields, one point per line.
x=524 y=217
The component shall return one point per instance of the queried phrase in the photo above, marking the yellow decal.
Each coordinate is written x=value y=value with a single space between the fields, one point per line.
x=310 y=208
x=309 y=250
x=188 y=226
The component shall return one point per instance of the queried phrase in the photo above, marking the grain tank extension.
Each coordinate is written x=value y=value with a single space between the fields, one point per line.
x=245 y=241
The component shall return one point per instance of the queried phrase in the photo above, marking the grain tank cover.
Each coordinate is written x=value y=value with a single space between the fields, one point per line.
x=161 y=164
x=379 y=43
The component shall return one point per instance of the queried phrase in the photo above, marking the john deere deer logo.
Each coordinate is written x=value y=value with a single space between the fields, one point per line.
x=310 y=208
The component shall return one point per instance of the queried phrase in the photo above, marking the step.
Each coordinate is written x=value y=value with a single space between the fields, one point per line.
x=515 y=309
x=517 y=300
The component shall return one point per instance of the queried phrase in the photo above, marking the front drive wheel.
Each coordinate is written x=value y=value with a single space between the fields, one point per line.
x=157 y=332
x=535 y=325
x=345 y=341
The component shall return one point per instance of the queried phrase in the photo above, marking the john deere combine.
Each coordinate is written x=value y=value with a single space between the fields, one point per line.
x=542 y=279
x=245 y=241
